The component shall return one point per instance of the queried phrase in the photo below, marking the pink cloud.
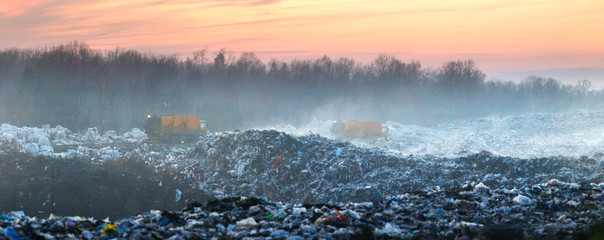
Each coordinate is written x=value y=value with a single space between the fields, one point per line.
x=498 y=35
x=16 y=7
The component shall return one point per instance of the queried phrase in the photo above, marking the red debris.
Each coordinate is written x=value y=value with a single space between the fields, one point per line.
x=341 y=217
x=277 y=161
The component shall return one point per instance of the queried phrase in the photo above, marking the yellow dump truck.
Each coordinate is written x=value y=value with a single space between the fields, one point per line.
x=359 y=129
x=175 y=128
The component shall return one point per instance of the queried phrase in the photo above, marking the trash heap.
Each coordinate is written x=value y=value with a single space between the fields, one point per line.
x=313 y=169
x=471 y=212
x=527 y=135
x=302 y=187
x=61 y=142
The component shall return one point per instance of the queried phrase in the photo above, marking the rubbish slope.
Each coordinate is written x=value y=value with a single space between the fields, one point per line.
x=530 y=135
x=310 y=186
x=314 y=169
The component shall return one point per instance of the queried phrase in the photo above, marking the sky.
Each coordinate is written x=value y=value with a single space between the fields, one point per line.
x=505 y=38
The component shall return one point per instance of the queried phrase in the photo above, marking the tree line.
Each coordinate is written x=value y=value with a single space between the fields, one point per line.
x=78 y=87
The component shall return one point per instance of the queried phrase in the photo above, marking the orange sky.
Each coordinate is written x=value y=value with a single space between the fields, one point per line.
x=501 y=36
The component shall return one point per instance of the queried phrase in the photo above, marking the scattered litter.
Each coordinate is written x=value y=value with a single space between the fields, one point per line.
x=520 y=199
x=178 y=195
x=310 y=186
x=277 y=161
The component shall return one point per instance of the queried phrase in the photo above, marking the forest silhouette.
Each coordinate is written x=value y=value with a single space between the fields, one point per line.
x=78 y=87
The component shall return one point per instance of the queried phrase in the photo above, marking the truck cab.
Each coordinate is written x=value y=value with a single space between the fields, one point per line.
x=358 y=129
x=175 y=127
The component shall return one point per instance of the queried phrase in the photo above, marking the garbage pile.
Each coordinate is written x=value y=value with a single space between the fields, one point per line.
x=527 y=135
x=314 y=169
x=310 y=186
x=62 y=142
x=472 y=212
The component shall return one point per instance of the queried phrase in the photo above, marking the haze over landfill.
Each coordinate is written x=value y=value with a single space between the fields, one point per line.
x=275 y=119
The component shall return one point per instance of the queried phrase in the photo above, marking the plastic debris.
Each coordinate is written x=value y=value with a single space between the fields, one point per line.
x=109 y=229
x=277 y=161
x=347 y=189
x=178 y=195
x=341 y=217
x=412 y=214
x=389 y=230
x=16 y=214
x=247 y=221
x=520 y=199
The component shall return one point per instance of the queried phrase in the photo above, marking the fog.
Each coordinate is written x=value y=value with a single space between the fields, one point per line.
x=462 y=149
x=78 y=87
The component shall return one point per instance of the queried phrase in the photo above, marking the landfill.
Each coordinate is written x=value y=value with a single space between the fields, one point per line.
x=529 y=135
x=61 y=142
x=269 y=184
x=312 y=168
x=468 y=213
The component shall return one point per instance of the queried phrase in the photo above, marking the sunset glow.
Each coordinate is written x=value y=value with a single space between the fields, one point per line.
x=501 y=36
